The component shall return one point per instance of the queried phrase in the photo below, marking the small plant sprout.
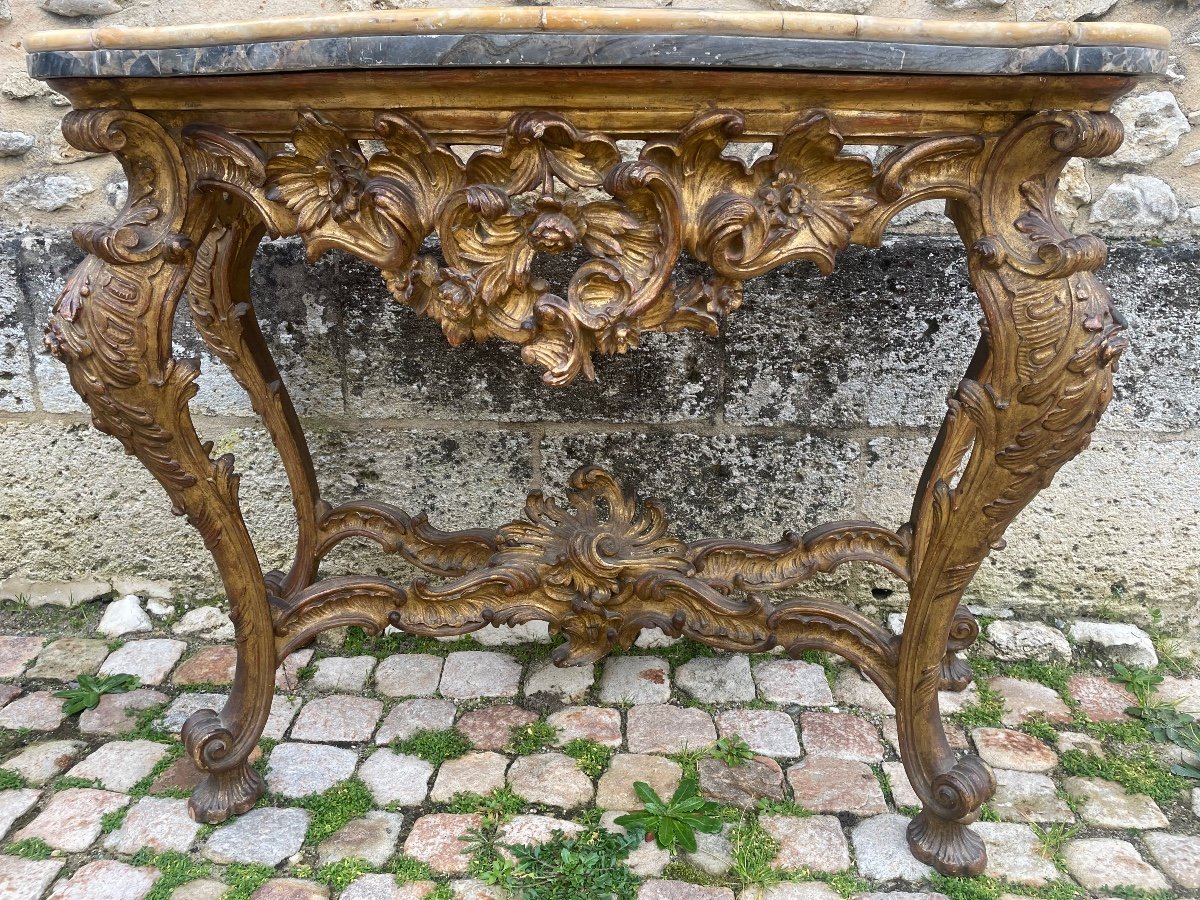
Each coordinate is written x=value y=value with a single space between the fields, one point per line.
x=675 y=823
x=732 y=750
x=92 y=688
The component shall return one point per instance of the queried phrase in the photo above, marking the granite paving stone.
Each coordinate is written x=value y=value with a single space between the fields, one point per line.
x=1003 y=748
x=117 y=714
x=436 y=840
x=409 y=675
x=568 y=683
x=840 y=735
x=106 y=879
x=815 y=843
x=119 y=765
x=201 y=889
x=67 y=658
x=265 y=835
x=741 y=786
x=793 y=681
x=8 y=693
x=1104 y=864
x=291 y=889
x=297 y=770
x=372 y=838
x=881 y=849
x=474 y=773
x=681 y=890
x=1107 y=804
x=17 y=652
x=1184 y=693
x=766 y=731
x=287 y=676
x=26 y=879
x=283 y=711
x=70 y=821
x=1102 y=700
x=661 y=728
x=1077 y=740
x=491 y=727
x=635 y=680
x=14 y=804
x=550 y=779
x=592 y=723
x=151 y=660
x=39 y=711
x=531 y=829
x=342 y=673
x=470 y=674
x=396 y=778
x=1028 y=797
x=724 y=678
x=210 y=665
x=338 y=718
x=1023 y=699
x=805 y=890
x=410 y=716
x=1028 y=640
x=1015 y=854
x=852 y=689
x=384 y=887
x=833 y=785
x=38 y=763
x=1178 y=855
x=713 y=854
x=903 y=794
x=160 y=823
x=615 y=788
x=209 y=622
x=184 y=705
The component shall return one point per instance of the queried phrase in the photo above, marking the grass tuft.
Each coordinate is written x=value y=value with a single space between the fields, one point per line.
x=434 y=746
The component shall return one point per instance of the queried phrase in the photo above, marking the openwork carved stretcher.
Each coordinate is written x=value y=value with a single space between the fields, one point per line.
x=349 y=131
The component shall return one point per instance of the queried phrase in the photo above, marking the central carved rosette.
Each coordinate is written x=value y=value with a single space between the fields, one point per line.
x=550 y=190
x=595 y=551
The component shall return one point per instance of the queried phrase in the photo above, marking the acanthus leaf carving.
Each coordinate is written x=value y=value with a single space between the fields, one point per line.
x=551 y=190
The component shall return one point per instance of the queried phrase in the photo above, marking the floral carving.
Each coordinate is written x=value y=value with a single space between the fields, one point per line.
x=499 y=211
x=801 y=201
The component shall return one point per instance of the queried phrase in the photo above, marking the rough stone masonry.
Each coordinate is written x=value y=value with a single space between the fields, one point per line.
x=743 y=435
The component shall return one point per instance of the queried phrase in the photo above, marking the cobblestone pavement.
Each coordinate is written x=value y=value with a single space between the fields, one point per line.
x=381 y=755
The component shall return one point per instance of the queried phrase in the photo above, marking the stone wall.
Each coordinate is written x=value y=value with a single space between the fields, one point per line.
x=742 y=435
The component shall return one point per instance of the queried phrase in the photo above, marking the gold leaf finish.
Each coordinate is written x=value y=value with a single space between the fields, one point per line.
x=207 y=181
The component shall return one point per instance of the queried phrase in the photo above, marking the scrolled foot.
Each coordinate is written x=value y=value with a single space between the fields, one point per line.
x=950 y=847
x=232 y=786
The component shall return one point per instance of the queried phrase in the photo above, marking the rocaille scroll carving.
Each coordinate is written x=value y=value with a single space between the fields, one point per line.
x=549 y=190
x=600 y=569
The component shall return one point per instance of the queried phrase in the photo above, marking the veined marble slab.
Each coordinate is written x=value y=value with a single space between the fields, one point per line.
x=576 y=49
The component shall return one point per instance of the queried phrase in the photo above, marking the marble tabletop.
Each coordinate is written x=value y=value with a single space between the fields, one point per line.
x=582 y=37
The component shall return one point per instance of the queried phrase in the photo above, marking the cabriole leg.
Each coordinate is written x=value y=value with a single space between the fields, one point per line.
x=112 y=328
x=1029 y=403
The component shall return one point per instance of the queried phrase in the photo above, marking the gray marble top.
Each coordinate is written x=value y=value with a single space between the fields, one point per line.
x=564 y=49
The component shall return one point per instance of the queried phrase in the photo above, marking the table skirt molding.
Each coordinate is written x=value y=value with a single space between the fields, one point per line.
x=603 y=565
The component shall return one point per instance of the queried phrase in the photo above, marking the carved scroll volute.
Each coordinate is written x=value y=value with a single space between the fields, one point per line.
x=801 y=201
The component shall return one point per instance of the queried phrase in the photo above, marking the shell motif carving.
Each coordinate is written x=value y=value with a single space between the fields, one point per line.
x=552 y=190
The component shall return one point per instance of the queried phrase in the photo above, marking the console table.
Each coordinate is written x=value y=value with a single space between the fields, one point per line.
x=340 y=129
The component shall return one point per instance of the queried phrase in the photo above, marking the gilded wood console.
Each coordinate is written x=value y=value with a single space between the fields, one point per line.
x=339 y=130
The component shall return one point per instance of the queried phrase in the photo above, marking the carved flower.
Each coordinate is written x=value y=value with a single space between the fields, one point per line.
x=816 y=195
x=324 y=177
x=553 y=231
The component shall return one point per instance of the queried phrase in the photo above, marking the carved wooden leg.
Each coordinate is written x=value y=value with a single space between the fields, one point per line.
x=222 y=309
x=1029 y=403
x=112 y=328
